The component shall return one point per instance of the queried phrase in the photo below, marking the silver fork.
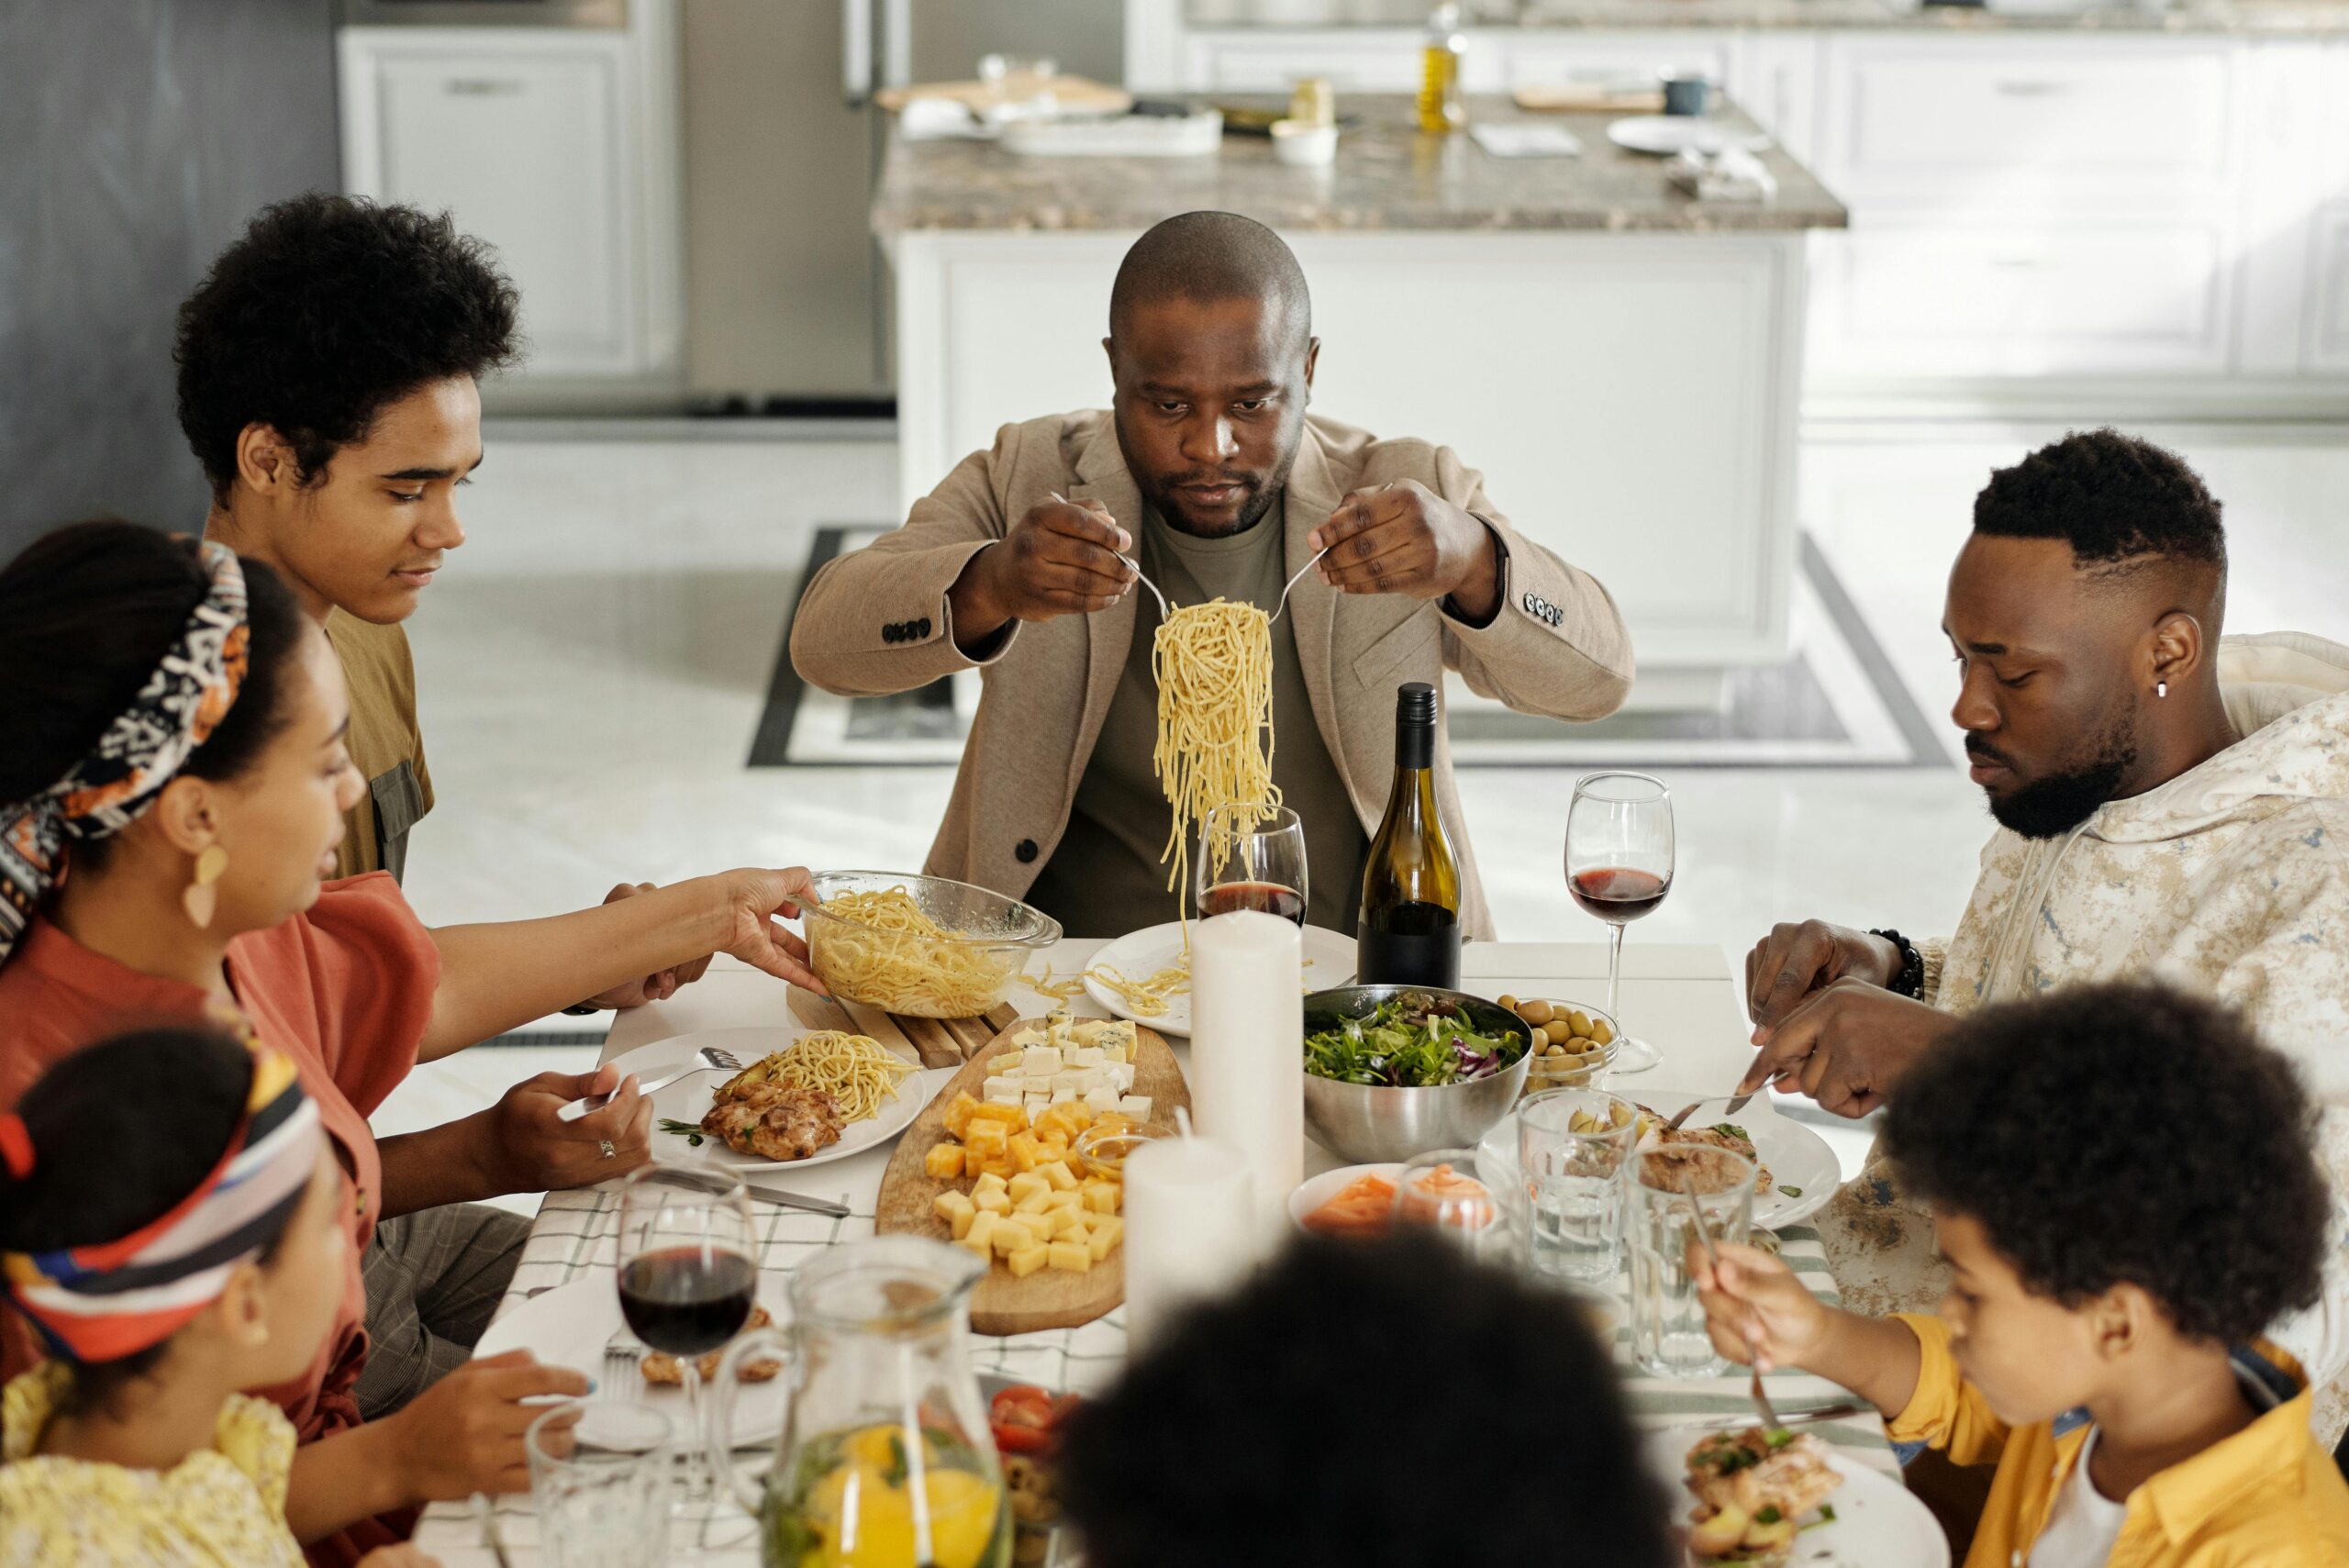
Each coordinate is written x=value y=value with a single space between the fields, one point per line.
x=1293 y=581
x=622 y=1354
x=719 y=1062
x=1770 y=1421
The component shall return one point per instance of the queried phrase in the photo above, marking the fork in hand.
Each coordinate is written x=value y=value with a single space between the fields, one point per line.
x=1770 y=1421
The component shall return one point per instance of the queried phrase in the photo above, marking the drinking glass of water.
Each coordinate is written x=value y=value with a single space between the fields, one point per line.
x=1670 y=1189
x=1573 y=1149
x=600 y=1479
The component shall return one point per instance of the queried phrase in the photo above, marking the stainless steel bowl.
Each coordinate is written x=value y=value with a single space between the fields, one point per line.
x=1364 y=1125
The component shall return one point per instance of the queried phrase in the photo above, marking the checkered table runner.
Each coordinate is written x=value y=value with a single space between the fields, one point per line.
x=576 y=1237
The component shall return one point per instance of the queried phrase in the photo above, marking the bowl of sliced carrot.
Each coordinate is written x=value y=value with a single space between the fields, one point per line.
x=1353 y=1200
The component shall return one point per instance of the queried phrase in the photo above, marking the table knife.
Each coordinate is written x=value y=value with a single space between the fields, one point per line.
x=790 y=1199
x=1665 y=1420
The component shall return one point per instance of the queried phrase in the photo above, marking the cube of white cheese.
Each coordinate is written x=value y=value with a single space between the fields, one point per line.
x=1041 y=1061
x=1135 y=1106
x=1102 y=1100
x=1034 y=1103
x=1119 y=1075
x=1062 y=1095
x=1003 y=1091
x=1085 y=1056
x=1005 y=1061
x=1091 y=1078
x=1072 y=1079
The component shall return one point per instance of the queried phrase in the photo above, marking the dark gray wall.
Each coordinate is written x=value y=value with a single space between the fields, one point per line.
x=136 y=138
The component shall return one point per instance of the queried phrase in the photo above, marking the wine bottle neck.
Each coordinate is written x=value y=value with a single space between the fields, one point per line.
x=1414 y=748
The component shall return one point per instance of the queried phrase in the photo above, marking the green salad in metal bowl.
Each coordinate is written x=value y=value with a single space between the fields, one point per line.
x=1413 y=1040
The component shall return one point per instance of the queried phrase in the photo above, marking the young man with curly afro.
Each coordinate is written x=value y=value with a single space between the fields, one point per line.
x=328 y=381
x=2124 y=1183
x=2167 y=806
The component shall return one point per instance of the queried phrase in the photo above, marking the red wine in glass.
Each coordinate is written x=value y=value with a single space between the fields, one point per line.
x=1268 y=898
x=687 y=1300
x=1618 y=894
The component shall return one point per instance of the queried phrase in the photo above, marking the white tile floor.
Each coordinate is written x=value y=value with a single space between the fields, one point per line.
x=591 y=669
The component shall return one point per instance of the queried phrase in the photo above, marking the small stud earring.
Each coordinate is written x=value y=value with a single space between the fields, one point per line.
x=2161 y=688
x=199 y=897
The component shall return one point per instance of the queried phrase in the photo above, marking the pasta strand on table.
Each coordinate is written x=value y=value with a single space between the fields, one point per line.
x=1214 y=666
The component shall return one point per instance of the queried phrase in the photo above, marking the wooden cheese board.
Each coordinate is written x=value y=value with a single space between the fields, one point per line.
x=933 y=1042
x=1048 y=1298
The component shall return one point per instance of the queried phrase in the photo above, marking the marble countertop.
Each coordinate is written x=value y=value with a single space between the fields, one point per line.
x=1388 y=177
x=2283 y=17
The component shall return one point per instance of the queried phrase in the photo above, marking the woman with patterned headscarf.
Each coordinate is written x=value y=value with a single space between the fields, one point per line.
x=173 y=782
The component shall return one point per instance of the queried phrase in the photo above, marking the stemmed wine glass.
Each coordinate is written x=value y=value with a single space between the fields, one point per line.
x=1251 y=859
x=1618 y=867
x=688 y=1276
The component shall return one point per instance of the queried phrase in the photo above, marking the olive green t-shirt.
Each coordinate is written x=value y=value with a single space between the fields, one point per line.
x=385 y=746
x=1104 y=878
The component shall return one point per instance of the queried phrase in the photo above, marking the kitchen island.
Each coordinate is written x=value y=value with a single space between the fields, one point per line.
x=1621 y=360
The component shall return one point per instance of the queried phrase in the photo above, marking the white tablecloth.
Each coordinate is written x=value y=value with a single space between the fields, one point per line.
x=1680 y=997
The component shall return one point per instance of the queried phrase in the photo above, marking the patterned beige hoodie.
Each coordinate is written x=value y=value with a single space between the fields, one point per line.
x=2231 y=880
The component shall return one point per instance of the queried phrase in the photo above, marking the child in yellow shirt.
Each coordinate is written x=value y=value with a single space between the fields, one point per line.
x=168 y=1223
x=2124 y=1182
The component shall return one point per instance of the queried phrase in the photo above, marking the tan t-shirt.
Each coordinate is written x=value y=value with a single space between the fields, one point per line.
x=1104 y=878
x=384 y=743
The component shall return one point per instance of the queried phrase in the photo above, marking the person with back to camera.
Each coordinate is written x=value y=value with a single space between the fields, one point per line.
x=2124 y=1183
x=1386 y=1404
x=2169 y=806
x=167 y=1221
x=173 y=779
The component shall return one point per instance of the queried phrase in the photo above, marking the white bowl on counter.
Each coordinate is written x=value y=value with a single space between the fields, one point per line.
x=1305 y=144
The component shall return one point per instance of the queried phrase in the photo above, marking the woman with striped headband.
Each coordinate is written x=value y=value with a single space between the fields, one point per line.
x=173 y=781
x=168 y=1221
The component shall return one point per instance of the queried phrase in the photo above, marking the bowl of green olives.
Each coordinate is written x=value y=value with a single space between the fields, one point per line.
x=1571 y=1043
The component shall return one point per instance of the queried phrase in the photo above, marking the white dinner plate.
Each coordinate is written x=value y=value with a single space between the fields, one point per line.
x=1796 y=1156
x=1667 y=134
x=689 y=1099
x=569 y=1325
x=1879 y=1523
x=1138 y=955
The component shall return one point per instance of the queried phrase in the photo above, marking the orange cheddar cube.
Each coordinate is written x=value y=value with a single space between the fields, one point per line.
x=1023 y=1149
x=958 y=1115
x=944 y=1163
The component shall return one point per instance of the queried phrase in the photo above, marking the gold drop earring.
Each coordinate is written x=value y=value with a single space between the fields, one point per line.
x=200 y=898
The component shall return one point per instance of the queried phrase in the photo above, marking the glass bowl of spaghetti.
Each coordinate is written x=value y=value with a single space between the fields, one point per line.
x=920 y=946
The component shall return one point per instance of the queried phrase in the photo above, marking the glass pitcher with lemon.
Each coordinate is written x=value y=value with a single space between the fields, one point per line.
x=885 y=1460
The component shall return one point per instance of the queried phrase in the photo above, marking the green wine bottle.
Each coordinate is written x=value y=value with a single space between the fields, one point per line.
x=1410 y=929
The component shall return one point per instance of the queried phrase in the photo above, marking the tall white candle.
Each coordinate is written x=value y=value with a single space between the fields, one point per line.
x=1189 y=1217
x=1248 y=1053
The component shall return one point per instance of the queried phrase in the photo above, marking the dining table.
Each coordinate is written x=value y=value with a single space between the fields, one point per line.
x=1682 y=998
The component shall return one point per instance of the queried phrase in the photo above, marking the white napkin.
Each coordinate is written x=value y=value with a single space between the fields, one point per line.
x=1725 y=174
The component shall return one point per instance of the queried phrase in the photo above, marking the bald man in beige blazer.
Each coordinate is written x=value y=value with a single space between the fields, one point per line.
x=1207 y=471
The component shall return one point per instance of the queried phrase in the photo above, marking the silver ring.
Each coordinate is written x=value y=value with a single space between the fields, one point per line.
x=606 y=1148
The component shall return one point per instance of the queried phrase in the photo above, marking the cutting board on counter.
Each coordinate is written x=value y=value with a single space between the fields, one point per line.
x=1049 y=1299
x=1072 y=95
x=933 y=1042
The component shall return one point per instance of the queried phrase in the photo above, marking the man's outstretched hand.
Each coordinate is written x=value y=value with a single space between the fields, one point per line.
x=1062 y=559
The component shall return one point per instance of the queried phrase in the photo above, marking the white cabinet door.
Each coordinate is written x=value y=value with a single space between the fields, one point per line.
x=1932 y=300
x=2326 y=323
x=524 y=137
x=2005 y=121
x=1550 y=59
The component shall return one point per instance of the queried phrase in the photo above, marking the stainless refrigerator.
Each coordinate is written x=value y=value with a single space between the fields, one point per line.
x=786 y=292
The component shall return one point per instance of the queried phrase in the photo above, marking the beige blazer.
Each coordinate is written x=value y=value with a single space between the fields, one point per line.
x=877 y=622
